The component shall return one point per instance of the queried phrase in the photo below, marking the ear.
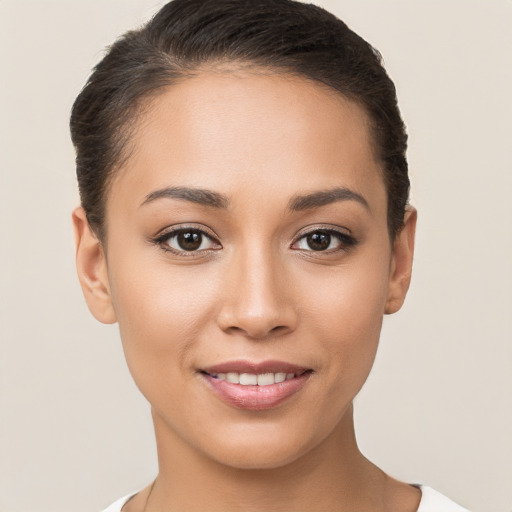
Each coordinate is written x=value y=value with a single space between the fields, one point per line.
x=91 y=266
x=401 y=263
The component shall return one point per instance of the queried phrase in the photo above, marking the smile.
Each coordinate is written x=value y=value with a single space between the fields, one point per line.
x=255 y=386
x=251 y=379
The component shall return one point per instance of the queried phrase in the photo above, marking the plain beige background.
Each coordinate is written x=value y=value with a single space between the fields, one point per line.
x=75 y=434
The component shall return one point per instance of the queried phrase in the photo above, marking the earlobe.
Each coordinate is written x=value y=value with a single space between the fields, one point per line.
x=91 y=267
x=401 y=263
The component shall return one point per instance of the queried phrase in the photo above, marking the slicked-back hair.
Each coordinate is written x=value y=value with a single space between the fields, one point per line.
x=282 y=36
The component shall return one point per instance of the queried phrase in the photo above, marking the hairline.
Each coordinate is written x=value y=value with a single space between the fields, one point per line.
x=143 y=104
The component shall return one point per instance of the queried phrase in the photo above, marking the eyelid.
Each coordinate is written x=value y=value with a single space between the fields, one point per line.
x=311 y=228
x=344 y=235
x=165 y=234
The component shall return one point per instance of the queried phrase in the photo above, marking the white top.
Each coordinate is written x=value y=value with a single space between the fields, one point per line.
x=431 y=501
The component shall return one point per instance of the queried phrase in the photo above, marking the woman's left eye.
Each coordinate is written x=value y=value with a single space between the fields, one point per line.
x=322 y=240
x=187 y=240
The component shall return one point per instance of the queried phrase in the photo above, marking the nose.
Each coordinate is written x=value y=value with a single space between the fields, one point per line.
x=258 y=297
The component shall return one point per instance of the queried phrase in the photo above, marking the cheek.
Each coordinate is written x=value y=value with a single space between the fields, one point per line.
x=346 y=315
x=161 y=311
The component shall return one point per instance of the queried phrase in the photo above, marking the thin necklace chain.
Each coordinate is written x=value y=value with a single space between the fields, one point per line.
x=151 y=490
x=149 y=496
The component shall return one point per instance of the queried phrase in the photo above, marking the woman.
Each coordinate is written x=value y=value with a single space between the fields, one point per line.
x=244 y=218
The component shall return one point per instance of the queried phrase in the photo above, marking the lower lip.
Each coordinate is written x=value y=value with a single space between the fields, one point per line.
x=256 y=398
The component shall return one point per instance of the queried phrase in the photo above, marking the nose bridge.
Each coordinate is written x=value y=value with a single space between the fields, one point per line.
x=257 y=301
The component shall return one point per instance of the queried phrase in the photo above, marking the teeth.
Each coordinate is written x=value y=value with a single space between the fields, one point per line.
x=250 y=379
x=265 y=379
x=233 y=377
x=279 y=377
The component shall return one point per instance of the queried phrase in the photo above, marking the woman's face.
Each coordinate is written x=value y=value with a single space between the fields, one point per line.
x=247 y=235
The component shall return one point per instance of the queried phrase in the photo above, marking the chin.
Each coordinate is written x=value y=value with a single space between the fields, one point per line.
x=259 y=450
x=256 y=459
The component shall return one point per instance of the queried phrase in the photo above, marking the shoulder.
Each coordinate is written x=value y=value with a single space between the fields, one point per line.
x=118 y=505
x=433 y=501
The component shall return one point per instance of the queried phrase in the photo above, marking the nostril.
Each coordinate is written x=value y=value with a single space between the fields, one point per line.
x=256 y=320
x=278 y=329
x=259 y=332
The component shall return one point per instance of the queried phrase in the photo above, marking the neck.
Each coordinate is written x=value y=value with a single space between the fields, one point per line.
x=332 y=476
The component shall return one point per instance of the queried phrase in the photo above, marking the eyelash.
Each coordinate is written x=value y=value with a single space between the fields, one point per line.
x=163 y=239
x=346 y=241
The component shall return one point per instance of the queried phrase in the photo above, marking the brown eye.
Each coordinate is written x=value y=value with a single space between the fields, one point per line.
x=318 y=241
x=324 y=240
x=189 y=240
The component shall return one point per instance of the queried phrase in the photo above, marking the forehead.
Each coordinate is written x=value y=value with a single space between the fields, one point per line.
x=253 y=130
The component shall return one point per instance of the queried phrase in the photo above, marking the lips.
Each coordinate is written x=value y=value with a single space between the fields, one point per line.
x=255 y=386
x=255 y=368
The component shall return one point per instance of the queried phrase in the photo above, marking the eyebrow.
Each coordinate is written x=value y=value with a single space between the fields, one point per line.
x=297 y=203
x=200 y=196
x=325 y=197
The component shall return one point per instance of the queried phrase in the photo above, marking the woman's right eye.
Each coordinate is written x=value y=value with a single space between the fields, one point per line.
x=187 y=240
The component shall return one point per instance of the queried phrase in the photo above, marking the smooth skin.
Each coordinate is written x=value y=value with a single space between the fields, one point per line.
x=255 y=288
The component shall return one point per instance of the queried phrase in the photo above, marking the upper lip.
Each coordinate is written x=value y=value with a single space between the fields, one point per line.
x=255 y=368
